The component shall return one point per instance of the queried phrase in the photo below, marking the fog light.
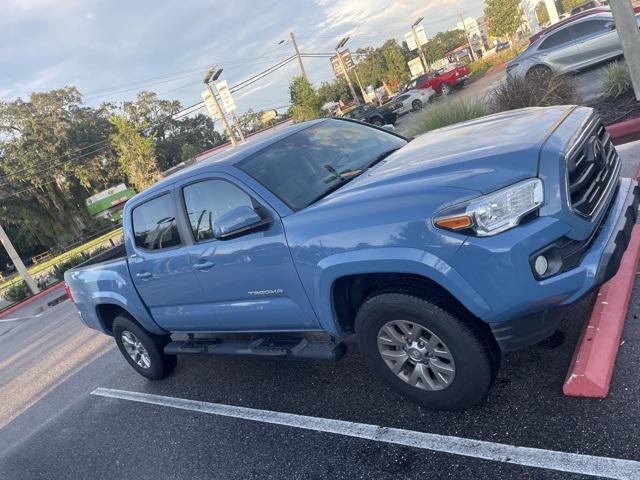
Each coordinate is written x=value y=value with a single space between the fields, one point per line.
x=541 y=265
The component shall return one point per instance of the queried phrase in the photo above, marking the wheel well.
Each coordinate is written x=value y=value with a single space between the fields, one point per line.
x=107 y=313
x=352 y=291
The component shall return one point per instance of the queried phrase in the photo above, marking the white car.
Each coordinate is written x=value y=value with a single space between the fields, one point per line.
x=412 y=100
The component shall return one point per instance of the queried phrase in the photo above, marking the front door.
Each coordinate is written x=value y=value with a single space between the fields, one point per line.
x=249 y=281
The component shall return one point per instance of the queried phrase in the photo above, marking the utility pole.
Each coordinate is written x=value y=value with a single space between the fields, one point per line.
x=625 y=24
x=211 y=76
x=17 y=261
x=295 y=46
x=466 y=32
x=341 y=44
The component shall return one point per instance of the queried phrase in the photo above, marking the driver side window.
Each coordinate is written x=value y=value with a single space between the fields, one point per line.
x=207 y=200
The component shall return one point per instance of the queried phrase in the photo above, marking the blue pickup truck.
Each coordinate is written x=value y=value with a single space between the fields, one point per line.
x=436 y=253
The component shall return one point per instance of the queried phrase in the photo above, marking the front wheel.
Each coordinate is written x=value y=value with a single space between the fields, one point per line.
x=143 y=350
x=377 y=122
x=426 y=353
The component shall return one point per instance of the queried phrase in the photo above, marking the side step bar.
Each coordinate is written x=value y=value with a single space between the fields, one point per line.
x=297 y=348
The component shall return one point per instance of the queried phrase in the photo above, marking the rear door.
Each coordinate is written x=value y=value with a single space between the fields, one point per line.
x=560 y=50
x=159 y=263
x=249 y=282
x=598 y=40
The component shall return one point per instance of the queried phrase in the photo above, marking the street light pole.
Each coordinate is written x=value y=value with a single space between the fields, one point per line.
x=625 y=24
x=341 y=44
x=466 y=32
x=17 y=261
x=211 y=76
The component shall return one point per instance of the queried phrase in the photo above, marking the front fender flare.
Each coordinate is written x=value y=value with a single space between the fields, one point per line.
x=390 y=260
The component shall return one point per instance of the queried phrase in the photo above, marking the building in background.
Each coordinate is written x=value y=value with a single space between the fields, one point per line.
x=109 y=203
x=477 y=31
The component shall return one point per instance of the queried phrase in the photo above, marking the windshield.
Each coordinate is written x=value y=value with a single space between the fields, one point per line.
x=312 y=163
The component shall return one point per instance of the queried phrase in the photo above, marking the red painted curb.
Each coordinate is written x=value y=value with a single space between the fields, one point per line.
x=32 y=299
x=625 y=132
x=595 y=355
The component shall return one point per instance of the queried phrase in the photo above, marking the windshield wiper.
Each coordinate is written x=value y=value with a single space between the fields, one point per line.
x=348 y=175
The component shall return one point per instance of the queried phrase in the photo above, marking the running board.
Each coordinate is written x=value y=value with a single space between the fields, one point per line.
x=297 y=348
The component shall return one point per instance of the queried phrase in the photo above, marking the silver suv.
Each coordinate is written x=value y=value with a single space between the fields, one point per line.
x=587 y=41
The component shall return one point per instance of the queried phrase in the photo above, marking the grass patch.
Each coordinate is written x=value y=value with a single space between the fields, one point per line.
x=615 y=79
x=448 y=112
x=41 y=267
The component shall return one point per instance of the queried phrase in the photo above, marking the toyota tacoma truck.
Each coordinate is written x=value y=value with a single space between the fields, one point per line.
x=436 y=253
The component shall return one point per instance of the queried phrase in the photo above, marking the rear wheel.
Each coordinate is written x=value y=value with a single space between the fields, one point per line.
x=143 y=350
x=426 y=353
x=416 y=105
x=377 y=121
x=446 y=89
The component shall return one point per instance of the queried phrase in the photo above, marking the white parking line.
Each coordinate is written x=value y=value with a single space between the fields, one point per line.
x=497 y=452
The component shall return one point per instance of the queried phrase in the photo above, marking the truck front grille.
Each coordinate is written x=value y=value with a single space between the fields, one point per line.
x=592 y=170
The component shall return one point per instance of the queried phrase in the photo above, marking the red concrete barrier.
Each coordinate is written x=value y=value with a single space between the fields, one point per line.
x=27 y=301
x=625 y=132
x=595 y=355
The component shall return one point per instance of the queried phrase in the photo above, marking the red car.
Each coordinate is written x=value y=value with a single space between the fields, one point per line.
x=442 y=82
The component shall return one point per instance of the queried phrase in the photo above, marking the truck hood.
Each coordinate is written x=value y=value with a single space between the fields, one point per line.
x=482 y=155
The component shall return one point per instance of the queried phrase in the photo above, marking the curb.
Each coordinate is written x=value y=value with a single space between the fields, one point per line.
x=625 y=132
x=32 y=299
x=595 y=355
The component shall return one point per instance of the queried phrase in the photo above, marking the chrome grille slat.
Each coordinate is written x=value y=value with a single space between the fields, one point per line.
x=588 y=182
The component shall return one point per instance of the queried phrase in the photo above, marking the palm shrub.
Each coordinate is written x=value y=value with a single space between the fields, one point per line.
x=615 y=79
x=448 y=112
x=533 y=91
x=16 y=292
x=60 y=268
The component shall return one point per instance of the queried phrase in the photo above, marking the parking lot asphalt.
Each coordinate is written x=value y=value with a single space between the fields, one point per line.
x=53 y=427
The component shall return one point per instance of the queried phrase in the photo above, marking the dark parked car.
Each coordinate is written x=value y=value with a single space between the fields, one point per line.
x=377 y=116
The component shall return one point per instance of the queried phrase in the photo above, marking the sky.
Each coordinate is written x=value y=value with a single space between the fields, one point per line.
x=111 y=49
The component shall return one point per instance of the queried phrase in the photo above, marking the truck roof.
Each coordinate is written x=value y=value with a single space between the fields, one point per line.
x=232 y=155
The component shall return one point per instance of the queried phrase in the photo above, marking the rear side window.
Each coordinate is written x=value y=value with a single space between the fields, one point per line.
x=206 y=201
x=402 y=98
x=591 y=27
x=557 y=39
x=154 y=224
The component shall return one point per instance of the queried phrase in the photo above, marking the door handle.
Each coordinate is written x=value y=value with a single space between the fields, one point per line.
x=143 y=275
x=203 y=265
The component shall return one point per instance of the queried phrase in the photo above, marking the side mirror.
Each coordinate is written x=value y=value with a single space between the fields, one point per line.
x=389 y=127
x=611 y=25
x=237 y=221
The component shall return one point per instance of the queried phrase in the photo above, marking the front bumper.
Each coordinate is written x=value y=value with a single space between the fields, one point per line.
x=520 y=305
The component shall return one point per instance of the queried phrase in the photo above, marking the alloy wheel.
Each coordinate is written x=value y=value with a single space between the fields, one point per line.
x=416 y=355
x=135 y=349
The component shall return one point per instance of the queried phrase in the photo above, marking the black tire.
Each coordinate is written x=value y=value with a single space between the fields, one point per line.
x=416 y=105
x=161 y=365
x=446 y=89
x=474 y=358
x=539 y=72
x=377 y=121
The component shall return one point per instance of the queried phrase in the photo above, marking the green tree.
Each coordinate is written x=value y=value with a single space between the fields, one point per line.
x=567 y=5
x=305 y=102
x=334 y=91
x=136 y=154
x=503 y=17
x=542 y=14
x=53 y=152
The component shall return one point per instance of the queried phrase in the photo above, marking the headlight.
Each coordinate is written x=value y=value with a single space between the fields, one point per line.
x=495 y=212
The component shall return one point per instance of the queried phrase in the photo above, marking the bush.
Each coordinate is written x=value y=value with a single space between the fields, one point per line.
x=60 y=268
x=16 y=292
x=533 y=91
x=448 y=112
x=615 y=79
